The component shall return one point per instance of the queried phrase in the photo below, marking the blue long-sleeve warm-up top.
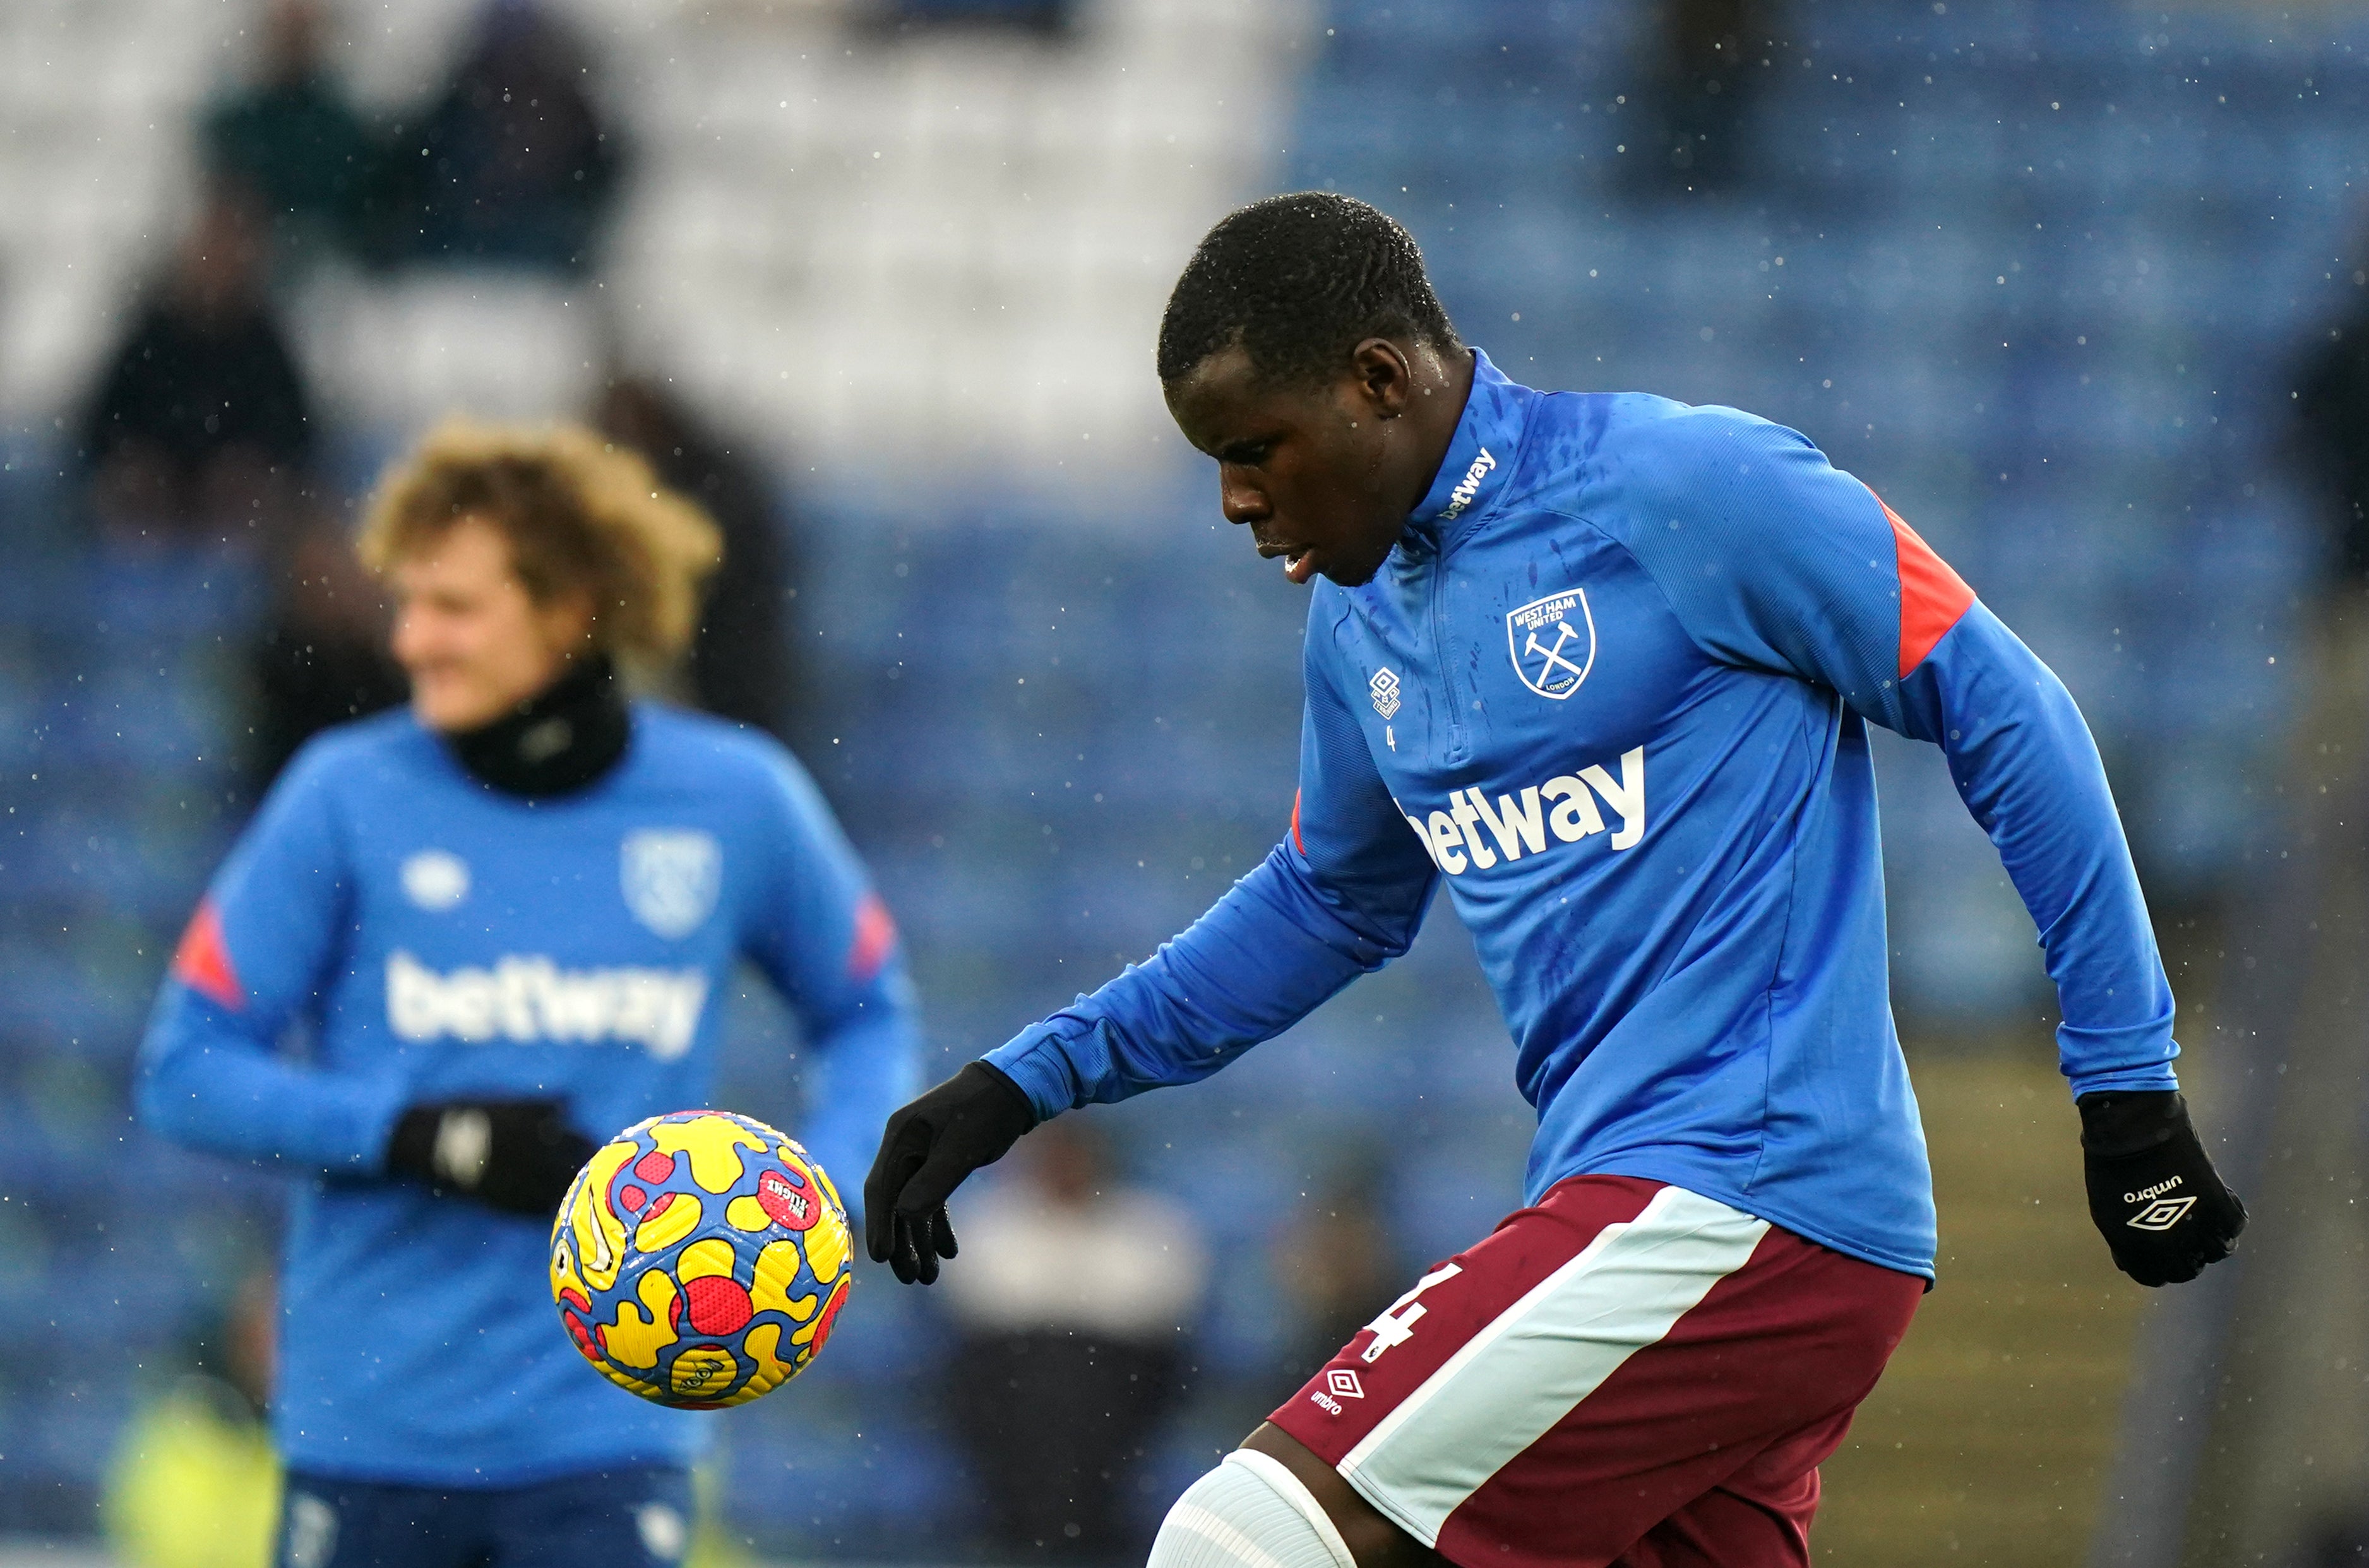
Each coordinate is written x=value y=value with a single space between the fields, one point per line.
x=1613 y=686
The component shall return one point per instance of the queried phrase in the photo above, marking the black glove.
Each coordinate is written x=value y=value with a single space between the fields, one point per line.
x=2153 y=1192
x=929 y=1146
x=514 y=1155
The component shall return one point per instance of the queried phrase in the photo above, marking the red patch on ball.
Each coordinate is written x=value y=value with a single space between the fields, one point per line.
x=830 y=1317
x=717 y=1305
x=783 y=1204
x=654 y=1167
x=630 y=1198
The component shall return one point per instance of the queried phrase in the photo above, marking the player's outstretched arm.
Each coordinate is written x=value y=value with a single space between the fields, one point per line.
x=1342 y=894
x=1243 y=973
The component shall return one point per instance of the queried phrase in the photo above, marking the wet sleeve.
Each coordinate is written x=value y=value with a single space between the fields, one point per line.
x=257 y=958
x=1774 y=559
x=1341 y=896
x=823 y=936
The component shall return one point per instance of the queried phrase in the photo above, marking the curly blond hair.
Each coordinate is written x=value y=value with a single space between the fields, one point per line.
x=580 y=514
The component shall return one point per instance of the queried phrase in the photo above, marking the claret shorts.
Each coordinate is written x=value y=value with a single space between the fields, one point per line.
x=1625 y=1373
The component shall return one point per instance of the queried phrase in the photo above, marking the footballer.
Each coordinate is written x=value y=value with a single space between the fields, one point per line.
x=501 y=926
x=1603 y=666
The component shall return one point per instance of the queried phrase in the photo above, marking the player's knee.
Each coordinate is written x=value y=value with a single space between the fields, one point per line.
x=1250 y=1511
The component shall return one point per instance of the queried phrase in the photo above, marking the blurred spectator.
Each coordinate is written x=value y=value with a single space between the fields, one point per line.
x=2332 y=413
x=1337 y=1263
x=322 y=658
x=201 y=421
x=296 y=141
x=512 y=165
x=202 y=428
x=1711 y=62
x=1073 y=1297
x=742 y=663
x=195 y=1483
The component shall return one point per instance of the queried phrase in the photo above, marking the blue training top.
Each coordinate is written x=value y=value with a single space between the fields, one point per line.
x=1613 y=685
x=437 y=939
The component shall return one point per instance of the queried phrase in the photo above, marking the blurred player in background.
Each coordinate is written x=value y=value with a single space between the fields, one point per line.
x=496 y=927
x=1605 y=664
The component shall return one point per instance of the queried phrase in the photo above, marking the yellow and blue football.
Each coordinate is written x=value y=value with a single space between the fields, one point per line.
x=699 y=1259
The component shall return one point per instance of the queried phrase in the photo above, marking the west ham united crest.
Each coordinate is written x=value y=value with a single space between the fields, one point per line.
x=1553 y=643
x=671 y=878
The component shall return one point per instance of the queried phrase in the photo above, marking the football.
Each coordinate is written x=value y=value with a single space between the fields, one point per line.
x=699 y=1259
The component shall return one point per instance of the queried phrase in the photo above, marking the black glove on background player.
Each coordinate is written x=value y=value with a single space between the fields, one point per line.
x=930 y=1146
x=2164 y=1210
x=514 y=1155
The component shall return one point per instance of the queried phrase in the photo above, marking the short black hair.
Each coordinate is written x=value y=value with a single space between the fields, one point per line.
x=1298 y=281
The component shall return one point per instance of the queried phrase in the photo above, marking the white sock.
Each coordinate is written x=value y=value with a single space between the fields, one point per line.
x=1250 y=1511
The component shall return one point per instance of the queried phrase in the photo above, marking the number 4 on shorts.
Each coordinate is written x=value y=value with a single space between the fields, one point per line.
x=1396 y=1325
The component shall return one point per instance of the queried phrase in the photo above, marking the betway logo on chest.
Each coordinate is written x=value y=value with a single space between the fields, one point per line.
x=1563 y=810
x=532 y=1000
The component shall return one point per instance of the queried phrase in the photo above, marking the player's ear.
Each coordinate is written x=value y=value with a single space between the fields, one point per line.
x=1385 y=378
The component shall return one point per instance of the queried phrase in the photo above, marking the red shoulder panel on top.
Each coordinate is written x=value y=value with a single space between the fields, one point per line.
x=1297 y=843
x=203 y=961
x=1932 y=597
x=876 y=933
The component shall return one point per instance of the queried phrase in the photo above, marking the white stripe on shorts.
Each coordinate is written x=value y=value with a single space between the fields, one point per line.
x=1509 y=1384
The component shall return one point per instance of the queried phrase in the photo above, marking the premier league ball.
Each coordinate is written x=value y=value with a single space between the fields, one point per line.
x=699 y=1259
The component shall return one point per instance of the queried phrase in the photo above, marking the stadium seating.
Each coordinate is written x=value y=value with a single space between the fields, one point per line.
x=2023 y=292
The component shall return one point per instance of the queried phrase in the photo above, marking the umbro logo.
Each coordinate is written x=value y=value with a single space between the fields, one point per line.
x=1384 y=688
x=2162 y=1214
x=1340 y=1384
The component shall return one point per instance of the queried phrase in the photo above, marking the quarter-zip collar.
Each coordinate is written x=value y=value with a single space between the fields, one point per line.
x=1480 y=460
x=558 y=740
